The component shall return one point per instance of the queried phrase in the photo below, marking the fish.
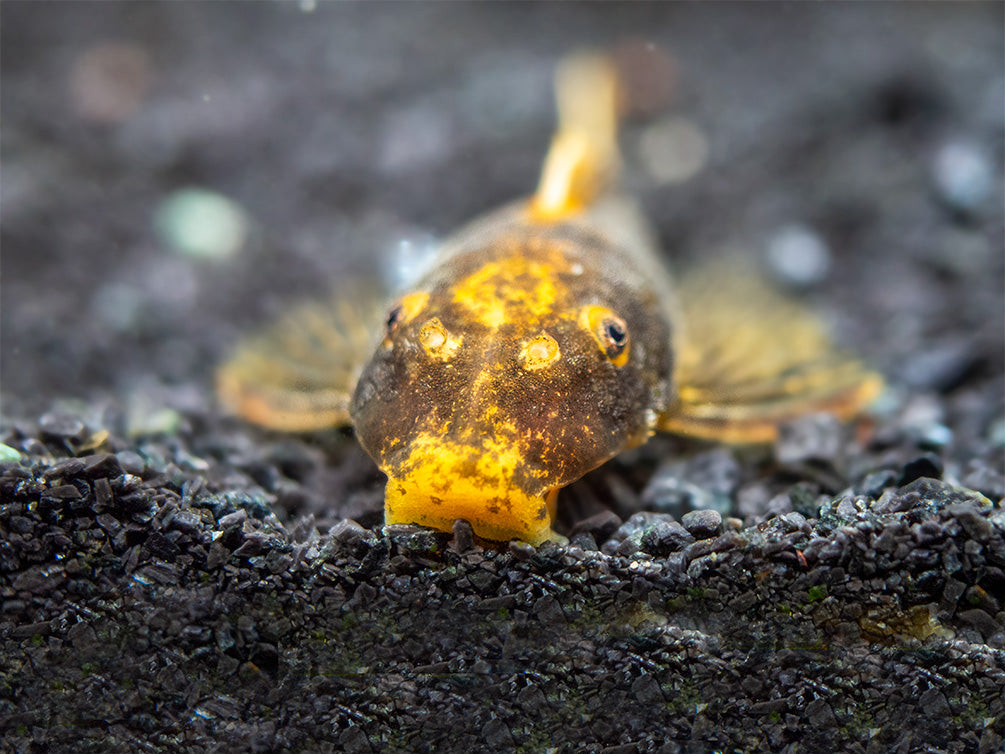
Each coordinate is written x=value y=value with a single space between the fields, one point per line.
x=548 y=336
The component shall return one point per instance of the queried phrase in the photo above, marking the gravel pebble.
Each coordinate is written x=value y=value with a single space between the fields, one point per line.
x=812 y=437
x=963 y=174
x=664 y=537
x=702 y=524
x=131 y=462
x=600 y=526
x=62 y=426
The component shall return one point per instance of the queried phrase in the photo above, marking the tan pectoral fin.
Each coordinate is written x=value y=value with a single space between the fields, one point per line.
x=299 y=374
x=749 y=359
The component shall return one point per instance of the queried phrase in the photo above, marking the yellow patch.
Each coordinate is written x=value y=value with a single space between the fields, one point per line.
x=501 y=288
x=412 y=304
x=437 y=341
x=443 y=481
x=539 y=352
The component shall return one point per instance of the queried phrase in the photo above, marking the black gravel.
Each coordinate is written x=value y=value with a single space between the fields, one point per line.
x=174 y=580
x=147 y=610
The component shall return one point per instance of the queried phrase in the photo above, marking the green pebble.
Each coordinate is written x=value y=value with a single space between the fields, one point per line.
x=201 y=223
x=8 y=454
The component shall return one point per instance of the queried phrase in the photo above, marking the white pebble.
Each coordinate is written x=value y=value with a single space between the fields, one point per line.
x=963 y=175
x=798 y=256
x=673 y=150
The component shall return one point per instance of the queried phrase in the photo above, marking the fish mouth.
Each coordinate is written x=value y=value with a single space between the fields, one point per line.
x=518 y=515
x=488 y=485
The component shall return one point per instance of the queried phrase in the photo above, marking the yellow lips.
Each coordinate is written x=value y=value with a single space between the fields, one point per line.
x=487 y=484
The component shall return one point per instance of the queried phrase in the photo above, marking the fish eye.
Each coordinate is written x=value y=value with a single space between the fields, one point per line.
x=402 y=312
x=609 y=331
x=614 y=336
x=615 y=333
x=394 y=317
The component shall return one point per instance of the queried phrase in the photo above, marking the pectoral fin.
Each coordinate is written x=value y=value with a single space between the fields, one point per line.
x=749 y=359
x=299 y=374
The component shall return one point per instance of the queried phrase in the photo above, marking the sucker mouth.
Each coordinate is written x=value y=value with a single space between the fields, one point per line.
x=517 y=516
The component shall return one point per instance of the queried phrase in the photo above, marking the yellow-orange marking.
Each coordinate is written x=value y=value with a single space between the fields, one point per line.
x=437 y=341
x=506 y=288
x=539 y=352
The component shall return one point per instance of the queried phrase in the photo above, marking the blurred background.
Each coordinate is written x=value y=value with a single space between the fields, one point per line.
x=175 y=174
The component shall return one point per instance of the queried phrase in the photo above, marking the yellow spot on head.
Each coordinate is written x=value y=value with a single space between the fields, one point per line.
x=432 y=335
x=539 y=352
x=496 y=290
x=436 y=341
x=413 y=303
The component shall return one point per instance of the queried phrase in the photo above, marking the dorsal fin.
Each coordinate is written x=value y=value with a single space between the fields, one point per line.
x=583 y=159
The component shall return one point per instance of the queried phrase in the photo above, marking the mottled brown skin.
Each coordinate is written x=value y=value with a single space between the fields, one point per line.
x=560 y=419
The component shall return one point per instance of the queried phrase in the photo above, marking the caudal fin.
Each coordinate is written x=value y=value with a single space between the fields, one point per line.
x=583 y=159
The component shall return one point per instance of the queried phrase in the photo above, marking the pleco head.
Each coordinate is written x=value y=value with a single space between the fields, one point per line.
x=512 y=372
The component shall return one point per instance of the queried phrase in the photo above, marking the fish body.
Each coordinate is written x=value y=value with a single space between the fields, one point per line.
x=546 y=338
x=532 y=353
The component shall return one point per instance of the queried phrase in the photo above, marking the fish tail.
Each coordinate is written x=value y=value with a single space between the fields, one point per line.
x=583 y=160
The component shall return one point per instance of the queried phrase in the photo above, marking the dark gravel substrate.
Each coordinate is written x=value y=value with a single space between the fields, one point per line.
x=143 y=612
x=171 y=580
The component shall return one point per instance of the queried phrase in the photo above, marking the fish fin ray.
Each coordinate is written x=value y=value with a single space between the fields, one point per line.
x=298 y=374
x=750 y=359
